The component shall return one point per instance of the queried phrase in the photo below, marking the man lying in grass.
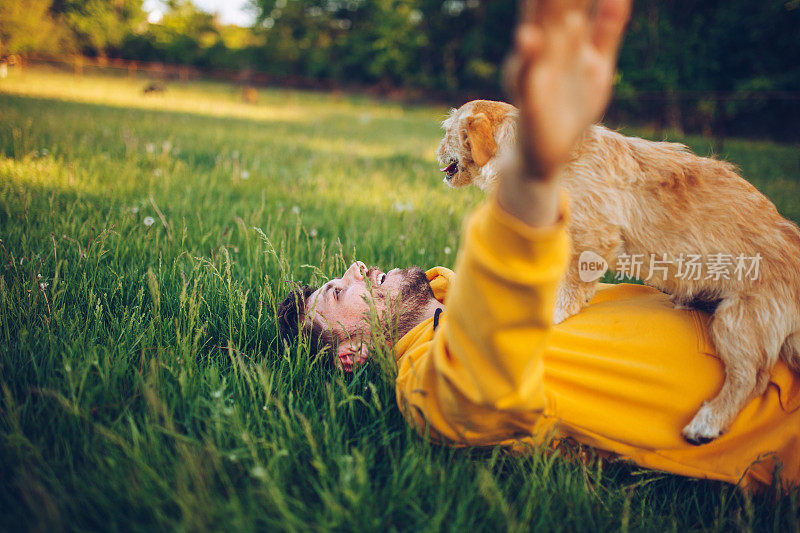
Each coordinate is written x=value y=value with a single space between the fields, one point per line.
x=479 y=361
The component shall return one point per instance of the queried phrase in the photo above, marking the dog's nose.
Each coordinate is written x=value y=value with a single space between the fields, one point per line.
x=450 y=170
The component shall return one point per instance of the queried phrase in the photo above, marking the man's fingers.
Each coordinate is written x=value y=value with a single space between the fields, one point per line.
x=530 y=41
x=609 y=26
x=529 y=45
x=528 y=11
x=550 y=11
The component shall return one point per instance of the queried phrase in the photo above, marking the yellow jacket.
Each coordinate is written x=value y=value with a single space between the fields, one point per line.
x=624 y=376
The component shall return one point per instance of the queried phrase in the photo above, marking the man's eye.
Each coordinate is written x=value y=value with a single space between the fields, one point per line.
x=381 y=279
x=336 y=293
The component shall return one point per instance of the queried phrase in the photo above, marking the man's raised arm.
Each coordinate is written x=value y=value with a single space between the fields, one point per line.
x=481 y=378
x=561 y=75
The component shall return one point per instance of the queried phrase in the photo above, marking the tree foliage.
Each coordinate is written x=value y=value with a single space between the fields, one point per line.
x=182 y=35
x=723 y=45
x=99 y=26
x=444 y=46
x=452 y=49
x=458 y=45
x=28 y=25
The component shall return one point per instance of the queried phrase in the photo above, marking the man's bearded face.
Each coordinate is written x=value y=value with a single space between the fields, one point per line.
x=343 y=305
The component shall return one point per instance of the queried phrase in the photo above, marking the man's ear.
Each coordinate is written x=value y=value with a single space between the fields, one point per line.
x=481 y=140
x=351 y=354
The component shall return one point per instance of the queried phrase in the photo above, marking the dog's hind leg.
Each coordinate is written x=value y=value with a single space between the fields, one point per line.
x=578 y=285
x=572 y=296
x=748 y=348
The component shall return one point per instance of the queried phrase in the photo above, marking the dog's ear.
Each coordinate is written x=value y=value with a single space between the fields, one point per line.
x=481 y=140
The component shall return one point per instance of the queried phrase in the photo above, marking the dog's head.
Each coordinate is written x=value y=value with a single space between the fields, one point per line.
x=476 y=136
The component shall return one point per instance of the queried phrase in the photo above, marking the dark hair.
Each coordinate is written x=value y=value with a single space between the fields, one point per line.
x=292 y=314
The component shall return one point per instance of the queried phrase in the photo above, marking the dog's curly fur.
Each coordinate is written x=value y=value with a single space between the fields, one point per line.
x=633 y=196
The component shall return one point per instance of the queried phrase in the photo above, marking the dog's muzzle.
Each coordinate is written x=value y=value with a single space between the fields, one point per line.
x=450 y=170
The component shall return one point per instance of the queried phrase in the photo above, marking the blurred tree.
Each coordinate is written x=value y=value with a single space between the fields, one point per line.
x=184 y=32
x=736 y=49
x=188 y=35
x=99 y=25
x=27 y=26
x=454 y=48
x=712 y=45
x=448 y=46
x=468 y=43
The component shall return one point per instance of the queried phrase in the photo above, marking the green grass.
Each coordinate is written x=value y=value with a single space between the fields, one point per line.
x=141 y=382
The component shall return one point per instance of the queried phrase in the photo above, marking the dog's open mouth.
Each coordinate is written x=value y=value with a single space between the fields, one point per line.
x=450 y=169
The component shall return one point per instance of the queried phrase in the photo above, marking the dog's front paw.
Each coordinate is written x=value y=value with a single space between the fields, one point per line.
x=560 y=314
x=569 y=301
x=704 y=427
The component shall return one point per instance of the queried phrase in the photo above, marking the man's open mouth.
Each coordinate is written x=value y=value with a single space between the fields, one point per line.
x=450 y=169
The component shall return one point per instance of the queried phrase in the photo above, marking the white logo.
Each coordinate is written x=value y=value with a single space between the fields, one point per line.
x=591 y=266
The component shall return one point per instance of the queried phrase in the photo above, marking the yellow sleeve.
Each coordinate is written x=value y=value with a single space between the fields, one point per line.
x=480 y=380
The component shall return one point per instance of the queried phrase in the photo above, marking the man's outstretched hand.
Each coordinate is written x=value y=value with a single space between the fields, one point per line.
x=565 y=58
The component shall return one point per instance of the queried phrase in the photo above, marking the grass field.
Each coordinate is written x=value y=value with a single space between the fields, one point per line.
x=146 y=242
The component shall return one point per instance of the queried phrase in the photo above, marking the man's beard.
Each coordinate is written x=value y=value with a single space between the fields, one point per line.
x=403 y=313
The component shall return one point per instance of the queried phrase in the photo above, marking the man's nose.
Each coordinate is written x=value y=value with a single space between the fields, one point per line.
x=356 y=271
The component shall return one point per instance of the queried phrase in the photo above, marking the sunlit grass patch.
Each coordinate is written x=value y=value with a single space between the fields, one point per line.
x=146 y=243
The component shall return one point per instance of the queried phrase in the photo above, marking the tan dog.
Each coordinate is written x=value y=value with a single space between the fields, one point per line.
x=250 y=94
x=678 y=213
